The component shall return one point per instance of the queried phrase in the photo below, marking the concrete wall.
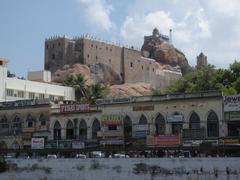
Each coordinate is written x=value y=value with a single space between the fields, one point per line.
x=125 y=169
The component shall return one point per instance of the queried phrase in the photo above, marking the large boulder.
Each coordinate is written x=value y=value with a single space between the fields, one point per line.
x=130 y=89
x=100 y=72
x=159 y=48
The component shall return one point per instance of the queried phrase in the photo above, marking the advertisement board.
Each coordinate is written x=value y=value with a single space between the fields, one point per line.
x=140 y=130
x=175 y=118
x=112 y=133
x=164 y=140
x=111 y=119
x=78 y=144
x=231 y=103
x=37 y=143
x=66 y=108
x=111 y=141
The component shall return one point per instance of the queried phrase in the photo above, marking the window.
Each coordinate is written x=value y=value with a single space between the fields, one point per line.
x=106 y=48
x=112 y=127
x=53 y=46
x=109 y=60
x=91 y=45
x=59 y=44
x=88 y=56
x=142 y=67
x=31 y=95
x=53 y=56
x=96 y=47
x=96 y=57
x=41 y=96
x=60 y=98
x=47 y=46
x=110 y=49
x=30 y=124
x=9 y=92
x=43 y=123
x=21 y=94
x=51 y=97
x=153 y=69
x=131 y=64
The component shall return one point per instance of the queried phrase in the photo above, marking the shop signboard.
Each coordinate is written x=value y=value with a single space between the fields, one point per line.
x=234 y=116
x=37 y=143
x=231 y=103
x=229 y=141
x=164 y=140
x=113 y=101
x=175 y=118
x=112 y=133
x=67 y=108
x=111 y=141
x=112 y=119
x=78 y=144
x=140 y=130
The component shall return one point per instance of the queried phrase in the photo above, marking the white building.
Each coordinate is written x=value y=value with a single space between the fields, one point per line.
x=38 y=87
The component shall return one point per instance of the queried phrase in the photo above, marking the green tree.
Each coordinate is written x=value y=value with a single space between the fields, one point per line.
x=79 y=84
x=94 y=92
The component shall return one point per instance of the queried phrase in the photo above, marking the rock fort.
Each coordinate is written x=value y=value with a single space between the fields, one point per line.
x=115 y=64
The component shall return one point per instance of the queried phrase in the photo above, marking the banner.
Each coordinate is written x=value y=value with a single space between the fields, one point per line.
x=66 y=108
x=112 y=119
x=140 y=130
x=111 y=141
x=164 y=140
x=37 y=143
x=231 y=103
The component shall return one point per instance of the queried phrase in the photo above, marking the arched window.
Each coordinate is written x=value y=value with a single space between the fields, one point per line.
x=57 y=131
x=4 y=122
x=43 y=119
x=160 y=124
x=143 y=120
x=69 y=130
x=95 y=128
x=16 y=124
x=83 y=130
x=29 y=121
x=212 y=125
x=127 y=127
x=194 y=121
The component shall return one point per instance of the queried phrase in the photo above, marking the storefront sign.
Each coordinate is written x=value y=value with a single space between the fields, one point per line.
x=229 y=141
x=111 y=141
x=66 y=108
x=78 y=145
x=27 y=102
x=163 y=140
x=234 y=116
x=37 y=143
x=192 y=143
x=231 y=103
x=112 y=119
x=175 y=118
x=112 y=133
x=140 y=130
x=113 y=101
x=143 y=108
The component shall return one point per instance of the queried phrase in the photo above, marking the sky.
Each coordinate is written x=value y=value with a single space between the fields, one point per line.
x=208 y=26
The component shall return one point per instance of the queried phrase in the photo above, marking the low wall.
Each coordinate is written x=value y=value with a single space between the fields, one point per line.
x=123 y=169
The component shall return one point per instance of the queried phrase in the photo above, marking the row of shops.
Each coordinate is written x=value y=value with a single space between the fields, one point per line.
x=188 y=121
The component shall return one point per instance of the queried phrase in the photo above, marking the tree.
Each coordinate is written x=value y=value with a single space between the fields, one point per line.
x=94 y=92
x=78 y=83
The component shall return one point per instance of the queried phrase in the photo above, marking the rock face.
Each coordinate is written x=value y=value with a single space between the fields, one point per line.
x=99 y=72
x=159 y=47
x=125 y=90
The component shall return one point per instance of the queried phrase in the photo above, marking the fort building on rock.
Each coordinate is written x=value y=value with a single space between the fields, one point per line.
x=127 y=62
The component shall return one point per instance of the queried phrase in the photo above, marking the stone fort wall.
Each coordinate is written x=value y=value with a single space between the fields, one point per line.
x=126 y=61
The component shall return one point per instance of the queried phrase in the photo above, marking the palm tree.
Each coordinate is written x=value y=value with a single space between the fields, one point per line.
x=94 y=92
x=78 y=83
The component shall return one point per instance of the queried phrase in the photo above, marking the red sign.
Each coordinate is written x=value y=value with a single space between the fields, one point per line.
x=164 y=140
x=66 y=108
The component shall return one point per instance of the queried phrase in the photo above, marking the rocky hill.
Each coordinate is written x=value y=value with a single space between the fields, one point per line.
x=158 y=47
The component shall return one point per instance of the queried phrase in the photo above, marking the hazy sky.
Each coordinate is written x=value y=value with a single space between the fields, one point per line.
x=211 y=26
